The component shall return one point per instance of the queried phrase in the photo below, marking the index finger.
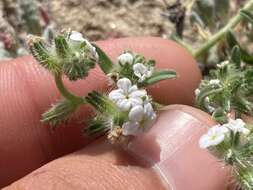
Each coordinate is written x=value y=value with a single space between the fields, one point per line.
x=27 y=91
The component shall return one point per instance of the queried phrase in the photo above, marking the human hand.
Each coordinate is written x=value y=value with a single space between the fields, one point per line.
x=25 y=144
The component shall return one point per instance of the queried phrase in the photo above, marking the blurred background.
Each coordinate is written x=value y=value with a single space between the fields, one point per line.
x=190 y=20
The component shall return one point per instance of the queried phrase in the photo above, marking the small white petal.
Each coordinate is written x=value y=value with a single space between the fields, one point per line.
x=126 y=58
x=130 y=128
x=139 y=69
x=149 y=111
x=136 y=101
x=237 y=125
x=116 y=95
x=136 y=114
x=124 y=84
x=132 y=89
x=214 y=82
x=138 y=93
x=76 y=36
x=124 y=105
x=197 y=92
x=223 y=64
x=213 y=137
x=142 y=71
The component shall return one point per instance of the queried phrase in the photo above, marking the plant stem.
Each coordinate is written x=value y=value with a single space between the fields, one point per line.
x=68 y=95
x=219 y=35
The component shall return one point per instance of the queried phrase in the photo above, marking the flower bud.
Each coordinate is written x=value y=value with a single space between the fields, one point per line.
x=70 y=54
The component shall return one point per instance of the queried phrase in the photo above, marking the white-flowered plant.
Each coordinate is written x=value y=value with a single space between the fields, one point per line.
x=126 y=58
x=127 y=110
x=237 y=126
x=142 y=72
x=127 y=95
x=226 y=94
x=213 y=137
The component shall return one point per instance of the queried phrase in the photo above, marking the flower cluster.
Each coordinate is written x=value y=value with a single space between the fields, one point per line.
x=70 y=54
x=125 y=111
x=138 y=69
x=138 y=105
x=232 y=142
x=229 y=89
x=217 y=133
x=228 y=92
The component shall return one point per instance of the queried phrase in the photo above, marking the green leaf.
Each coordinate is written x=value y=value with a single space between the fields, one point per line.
x=247 y=15
x=105 y=62
x=220 y=115
x=206 y=91
x=232 y=41
x=236 y=56
x=159 y=76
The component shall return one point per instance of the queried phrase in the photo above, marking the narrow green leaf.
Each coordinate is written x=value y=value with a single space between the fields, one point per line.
x=236 y=56
x=208 y=90
x=247 y=15
x=220 y=115
x=232 y=41
x=105 y=62
x=159 y=76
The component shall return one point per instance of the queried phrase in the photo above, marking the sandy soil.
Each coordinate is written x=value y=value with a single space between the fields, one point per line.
x=101 y=19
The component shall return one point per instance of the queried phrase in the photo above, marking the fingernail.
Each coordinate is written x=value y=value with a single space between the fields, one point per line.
x=171 y=148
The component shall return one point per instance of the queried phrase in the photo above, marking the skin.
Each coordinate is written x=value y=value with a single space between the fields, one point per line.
x=27 y=90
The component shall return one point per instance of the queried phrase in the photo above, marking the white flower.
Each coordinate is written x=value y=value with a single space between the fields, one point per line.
x=127 y=96
x=223 y=64
x=142 y=71
x=76 y=36
x=213 y=137
x=197 y=92
x=214 y=82
x=141 y=118
x=126 y=58
x=237 y=126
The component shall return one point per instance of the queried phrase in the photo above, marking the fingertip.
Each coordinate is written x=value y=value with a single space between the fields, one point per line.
x=171 y=146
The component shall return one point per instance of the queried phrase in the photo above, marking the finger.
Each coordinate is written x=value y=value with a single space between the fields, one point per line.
x=27 y=91
x=170 y=147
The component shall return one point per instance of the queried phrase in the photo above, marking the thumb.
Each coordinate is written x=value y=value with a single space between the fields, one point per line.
x=170 y=147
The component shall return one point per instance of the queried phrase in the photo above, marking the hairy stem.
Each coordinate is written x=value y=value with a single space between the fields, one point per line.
x=65 y=93
x=219 y=35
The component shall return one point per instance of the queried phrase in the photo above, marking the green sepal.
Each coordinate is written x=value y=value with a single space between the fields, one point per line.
x=95 y=127
x=77 y=68
x=104 y=62
x=159 y=76
x=42 y=53
x=61 y=47
x=59 y=113
x=101 y=103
